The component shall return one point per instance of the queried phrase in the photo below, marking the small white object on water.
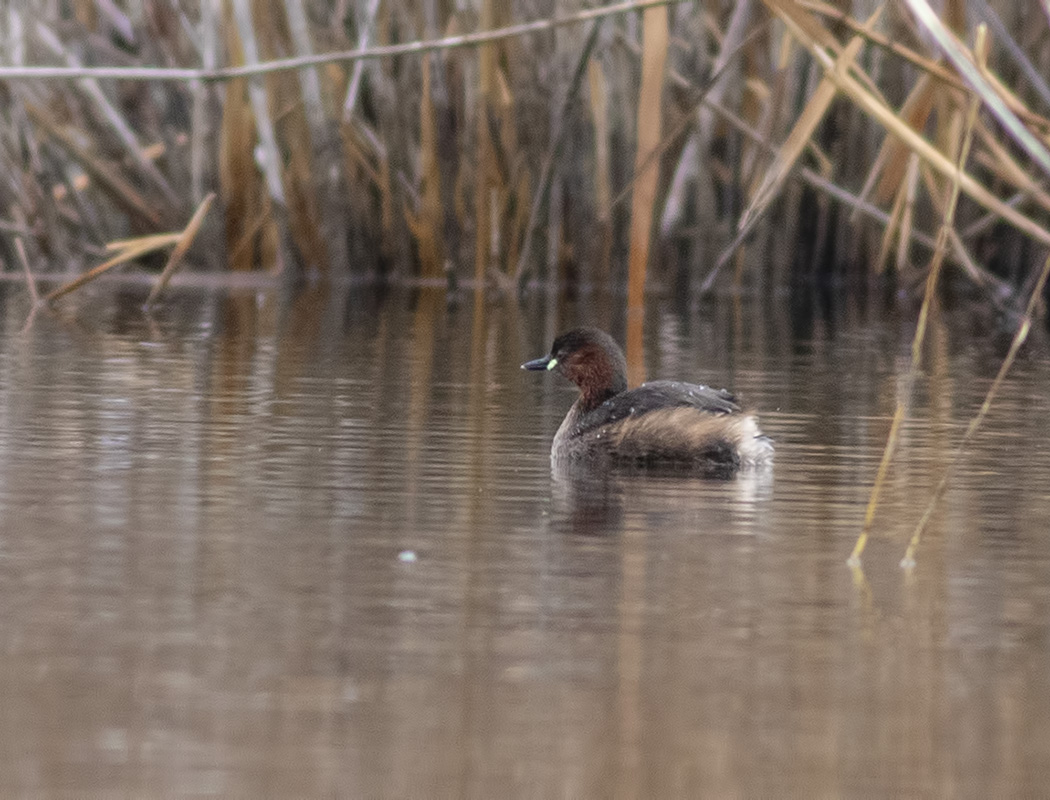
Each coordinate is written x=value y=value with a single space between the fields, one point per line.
x=407 y=556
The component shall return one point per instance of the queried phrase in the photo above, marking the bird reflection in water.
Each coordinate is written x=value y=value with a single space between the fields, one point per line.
x=593 y=500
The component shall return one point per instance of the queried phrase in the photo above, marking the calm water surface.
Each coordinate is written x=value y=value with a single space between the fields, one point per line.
x=256 y=546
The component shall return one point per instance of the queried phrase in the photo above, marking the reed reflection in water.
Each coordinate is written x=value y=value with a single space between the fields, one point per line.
x=201 y=517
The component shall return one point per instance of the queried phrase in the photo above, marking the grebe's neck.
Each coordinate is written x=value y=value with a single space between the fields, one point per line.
x=599 y=373
x=591 y=397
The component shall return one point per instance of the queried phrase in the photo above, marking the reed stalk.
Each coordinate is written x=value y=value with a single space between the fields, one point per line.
x=20 y=248
x=428 y=223
x=908 y=561
x=929 y=298
x=483 y=177
x=258 y=68
x=182 y=244
x=365 y=32
x=646 y=170
x=129 y=251
x=271 y=157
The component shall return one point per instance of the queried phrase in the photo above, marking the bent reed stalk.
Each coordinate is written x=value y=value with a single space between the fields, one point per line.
x=306 y=62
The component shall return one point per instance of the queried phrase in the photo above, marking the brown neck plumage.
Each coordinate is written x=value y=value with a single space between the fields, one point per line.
x=597 y=376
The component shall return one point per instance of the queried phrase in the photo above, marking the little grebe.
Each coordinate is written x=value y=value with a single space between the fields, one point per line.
x=661 y=423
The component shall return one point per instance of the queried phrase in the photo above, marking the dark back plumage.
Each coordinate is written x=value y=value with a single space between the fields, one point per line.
x=658 y=396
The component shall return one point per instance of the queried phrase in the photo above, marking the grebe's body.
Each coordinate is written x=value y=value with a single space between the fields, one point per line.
x=660 y=423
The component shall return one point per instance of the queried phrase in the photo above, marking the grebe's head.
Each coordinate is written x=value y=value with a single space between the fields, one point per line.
x=591 y=359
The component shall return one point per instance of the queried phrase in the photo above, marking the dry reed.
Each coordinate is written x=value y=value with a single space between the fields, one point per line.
x=345 y=149
x=643 y=200
x=928 y=299
x=908 y=561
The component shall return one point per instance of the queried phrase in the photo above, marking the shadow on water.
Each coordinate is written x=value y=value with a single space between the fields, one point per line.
x=313 y=545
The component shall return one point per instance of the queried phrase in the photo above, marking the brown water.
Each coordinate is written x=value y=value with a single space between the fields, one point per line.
x=253 y=547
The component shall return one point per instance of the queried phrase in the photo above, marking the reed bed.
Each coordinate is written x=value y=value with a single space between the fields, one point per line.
x=500 y=143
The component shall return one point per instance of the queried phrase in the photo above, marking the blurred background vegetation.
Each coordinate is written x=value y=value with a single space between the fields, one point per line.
x=503 y=143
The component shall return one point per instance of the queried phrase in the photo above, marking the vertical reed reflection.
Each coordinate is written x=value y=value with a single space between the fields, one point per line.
x=428 y=301
x=630 y=638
